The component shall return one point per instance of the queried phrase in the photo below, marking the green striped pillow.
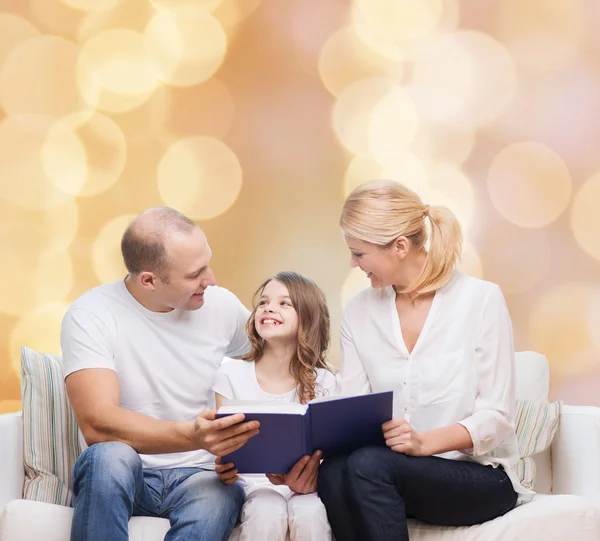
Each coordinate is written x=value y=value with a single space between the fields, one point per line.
x=50 y=433
x=536 y=425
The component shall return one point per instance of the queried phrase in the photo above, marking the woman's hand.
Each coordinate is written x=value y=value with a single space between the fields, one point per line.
x=226 y=473
x=302 y=478
x=403 y=438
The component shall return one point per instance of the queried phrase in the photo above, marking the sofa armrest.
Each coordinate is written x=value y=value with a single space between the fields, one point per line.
x=576 y=452
x=12 y=472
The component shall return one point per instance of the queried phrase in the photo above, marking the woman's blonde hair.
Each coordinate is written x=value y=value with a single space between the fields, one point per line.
x=313 y=331
x=379 y=212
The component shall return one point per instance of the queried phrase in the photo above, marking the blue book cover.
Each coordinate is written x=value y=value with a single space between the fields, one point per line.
x=290 y=431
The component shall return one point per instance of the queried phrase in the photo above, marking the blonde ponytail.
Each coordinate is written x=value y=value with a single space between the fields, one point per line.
x=445 y=248
x=379 y=212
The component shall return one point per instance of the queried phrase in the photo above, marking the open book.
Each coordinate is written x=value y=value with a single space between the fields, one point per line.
x=289 y=431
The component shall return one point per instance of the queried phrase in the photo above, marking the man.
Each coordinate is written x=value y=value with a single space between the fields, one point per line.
x=140 y=357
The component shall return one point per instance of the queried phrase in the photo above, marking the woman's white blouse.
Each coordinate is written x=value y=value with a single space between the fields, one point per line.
x=461 y=369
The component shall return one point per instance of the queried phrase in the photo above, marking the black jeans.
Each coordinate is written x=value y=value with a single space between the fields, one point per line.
x=370 y=493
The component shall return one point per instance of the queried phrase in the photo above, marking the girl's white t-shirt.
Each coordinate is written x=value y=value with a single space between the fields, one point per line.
x=236 y=380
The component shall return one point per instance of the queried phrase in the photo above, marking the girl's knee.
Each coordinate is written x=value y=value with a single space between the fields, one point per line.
x=264 y=505
x=264 y=516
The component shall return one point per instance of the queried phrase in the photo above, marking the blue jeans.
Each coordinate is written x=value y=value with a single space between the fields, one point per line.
x=370 y=493
x=110 y=486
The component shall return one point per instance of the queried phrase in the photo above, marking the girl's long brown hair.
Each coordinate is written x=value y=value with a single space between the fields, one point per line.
x=313 y=331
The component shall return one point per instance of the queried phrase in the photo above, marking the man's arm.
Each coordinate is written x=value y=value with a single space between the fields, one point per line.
x=93 y=389
x=94 y=395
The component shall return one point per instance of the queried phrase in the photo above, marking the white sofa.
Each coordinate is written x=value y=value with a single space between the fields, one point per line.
x=567 y=507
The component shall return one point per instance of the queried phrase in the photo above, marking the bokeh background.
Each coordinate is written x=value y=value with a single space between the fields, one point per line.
x=256 y=117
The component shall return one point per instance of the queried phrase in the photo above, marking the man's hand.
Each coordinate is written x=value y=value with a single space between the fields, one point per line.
x=402 y=438
x=226 y=473
x=302 y=478
x=222 y=436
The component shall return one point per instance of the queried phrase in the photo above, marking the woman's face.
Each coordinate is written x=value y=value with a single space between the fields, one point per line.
x=380 y=263
x=276 y=317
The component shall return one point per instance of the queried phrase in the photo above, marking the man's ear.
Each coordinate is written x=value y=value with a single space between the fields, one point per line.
x=147 y=280
x=401 y=246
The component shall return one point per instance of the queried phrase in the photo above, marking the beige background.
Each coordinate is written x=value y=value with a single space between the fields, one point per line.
x=256 y=117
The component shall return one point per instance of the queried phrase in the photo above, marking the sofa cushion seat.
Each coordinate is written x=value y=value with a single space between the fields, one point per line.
x=546 y=518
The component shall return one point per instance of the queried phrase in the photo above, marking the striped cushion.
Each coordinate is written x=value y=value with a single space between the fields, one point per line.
x=536 y=425
x=50 y=433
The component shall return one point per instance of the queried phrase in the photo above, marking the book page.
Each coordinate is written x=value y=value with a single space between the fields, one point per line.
x=251 y=406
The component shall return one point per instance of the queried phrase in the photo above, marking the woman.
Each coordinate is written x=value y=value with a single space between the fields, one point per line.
x=442 y=341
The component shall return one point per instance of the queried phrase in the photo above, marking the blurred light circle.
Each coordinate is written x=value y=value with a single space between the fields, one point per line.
x=390 y=47
x=24 y=182
x=405 y=167
x=28 y=278
x=231 y=13
x=585 y=217
x=55 y=17
x=127 y=14
x=214 y=118
x=400 y=19
x=107 y=260
x=185 y=45
x=170 y=4
x=355 y=282
x=84 y=153
x=46 y=230
x=392 y=125
x=345 y=59
x=360 y=170
x=439 y=142
x=38 y=330
x=542 y=34
x=451 y=188
x=38 y=77
x=517 y=259
x=470 y=262
x=113 y=73
x=14 y=30
x=92 y=5
x=200 y=176
x=147 y=123
x=558 y=322
x=352 y=112
x=529 y=184
x=466 y=77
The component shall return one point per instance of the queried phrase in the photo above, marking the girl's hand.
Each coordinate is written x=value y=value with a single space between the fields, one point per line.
x=302 y=478
x=402 y=438
x=226 y=473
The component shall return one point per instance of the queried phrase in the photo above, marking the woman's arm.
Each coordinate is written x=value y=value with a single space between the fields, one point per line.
x=492 y=419
x=403 y=438
x=352 y=378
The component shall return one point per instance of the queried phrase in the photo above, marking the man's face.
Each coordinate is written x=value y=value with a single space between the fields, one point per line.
x=189 y=272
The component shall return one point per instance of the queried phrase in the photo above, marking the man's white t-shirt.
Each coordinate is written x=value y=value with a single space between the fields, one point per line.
x=236 y=380
x=166 y=362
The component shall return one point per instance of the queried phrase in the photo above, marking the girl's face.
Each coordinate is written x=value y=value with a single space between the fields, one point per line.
x=276 y=318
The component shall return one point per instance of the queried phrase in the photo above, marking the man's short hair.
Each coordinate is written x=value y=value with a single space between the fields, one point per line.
x=143 y=243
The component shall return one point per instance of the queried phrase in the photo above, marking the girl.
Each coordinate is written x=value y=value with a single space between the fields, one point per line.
x=289 y=335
